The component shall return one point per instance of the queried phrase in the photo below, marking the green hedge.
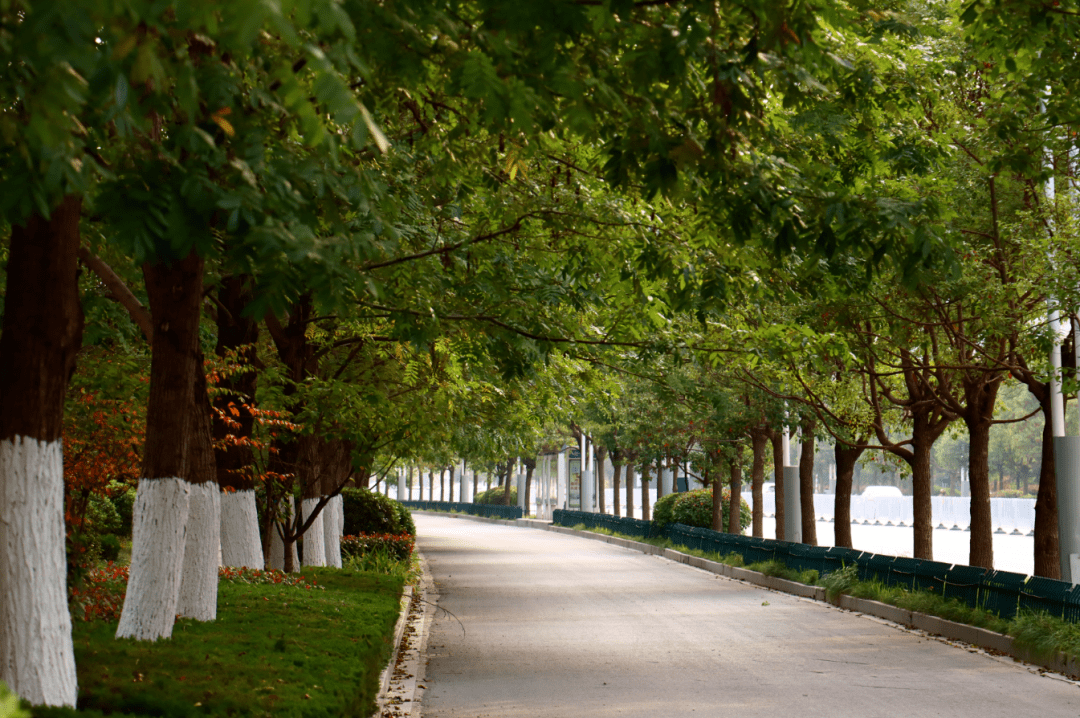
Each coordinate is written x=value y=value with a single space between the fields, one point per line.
x=367 y=512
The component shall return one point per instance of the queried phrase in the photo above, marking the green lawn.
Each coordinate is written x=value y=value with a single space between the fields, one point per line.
x=274 y=651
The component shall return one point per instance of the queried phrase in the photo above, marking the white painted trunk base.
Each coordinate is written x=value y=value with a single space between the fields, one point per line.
x=157 y=559
x=277 y=551
x=202 y=554
x=332 y=526
x=240 y=544
x=314 y=546
x=37 y=659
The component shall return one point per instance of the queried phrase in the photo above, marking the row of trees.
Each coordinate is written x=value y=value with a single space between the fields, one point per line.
x=336 y=236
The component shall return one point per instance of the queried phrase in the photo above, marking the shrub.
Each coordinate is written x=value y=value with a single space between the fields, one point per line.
x=101 y=516
x=663 y=508
x=495 y=496
x=110 y=547
x=124 y=502
x=400 y=546
x=694 y=508
x=370 y=513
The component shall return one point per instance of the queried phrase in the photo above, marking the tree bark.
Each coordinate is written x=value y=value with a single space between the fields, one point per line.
x=1047 y=546
x=735 y=504
x=645 y=475
x=202 y=543
x=846 y=458
x=530 y=466
x=163 y=500
x=601 y=457
x=616 y=484
x=759 y=441
x=717 y=503
x=922 y=487
x=806 y=484
x=42 y=332
x=981 y=394
x=777 y=439
x=451 y=484
x=234 y=425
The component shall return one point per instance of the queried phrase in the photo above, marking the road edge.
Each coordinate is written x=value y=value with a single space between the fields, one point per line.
x=994 y=644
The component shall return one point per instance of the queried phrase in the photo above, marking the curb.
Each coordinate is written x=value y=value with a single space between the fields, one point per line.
x=399 y=631
x=402 y=678
x=998 y=643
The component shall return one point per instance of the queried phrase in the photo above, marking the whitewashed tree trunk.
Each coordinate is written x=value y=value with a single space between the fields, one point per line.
x=202 y=554
x=332 y=526
x=314 y=545
x=37 y=659
x=240 y=544
x=157 y=559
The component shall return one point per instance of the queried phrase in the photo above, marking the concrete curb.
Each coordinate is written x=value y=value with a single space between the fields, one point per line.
x=399 y=632
x=989 y=640
x=401 y=696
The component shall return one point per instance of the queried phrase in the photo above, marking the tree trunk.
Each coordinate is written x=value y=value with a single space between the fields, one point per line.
x=922 y=487
x=601 y=457
x=163 y=500
x=234 y=426
x=530 y=465
x=846 y=458
x=42 y=332
x=510 y=464
x=735 y=504
x=759 y=441
x=982 y=538
x=1047 y=547
x=717 y=504
x=202 y=542
x=309 y=471
x=659 y=479
x=645 y=492
x=806 y=484
x=451 y=485
x=778 y=477
x=442 y=484
x=629 y=489
x=616 y=486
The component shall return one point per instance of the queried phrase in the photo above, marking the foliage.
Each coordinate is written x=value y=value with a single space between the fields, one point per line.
x=840 y=581
x=110 y=547
x=497 y=495
x=779 y=569
x=694 y=508
x=1044 y=635
x=9 y=704
x=399 y=546
x=367 y=512
x=663 y=509
x=101 y=595
x=317 y=652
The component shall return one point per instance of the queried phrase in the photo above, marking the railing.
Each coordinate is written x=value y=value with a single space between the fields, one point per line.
x=1002 y=592
x=1008 y=516
x=491 y=511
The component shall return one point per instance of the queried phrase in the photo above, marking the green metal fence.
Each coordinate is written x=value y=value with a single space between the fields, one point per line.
x=491 y=511
x=1002 y=592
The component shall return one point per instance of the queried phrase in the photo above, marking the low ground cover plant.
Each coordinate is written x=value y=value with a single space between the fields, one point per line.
x=1037 y=633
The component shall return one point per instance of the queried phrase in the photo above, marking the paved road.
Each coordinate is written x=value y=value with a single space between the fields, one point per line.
x=559 y=626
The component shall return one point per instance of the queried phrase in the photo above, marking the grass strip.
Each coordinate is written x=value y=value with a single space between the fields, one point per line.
x=273 y=651
x=1037 y=633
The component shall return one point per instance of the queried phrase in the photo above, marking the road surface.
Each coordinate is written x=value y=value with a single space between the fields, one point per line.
x=542 y=624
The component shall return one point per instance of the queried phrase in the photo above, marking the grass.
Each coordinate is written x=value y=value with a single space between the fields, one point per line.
x=273 y=651
x=1038 y=634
